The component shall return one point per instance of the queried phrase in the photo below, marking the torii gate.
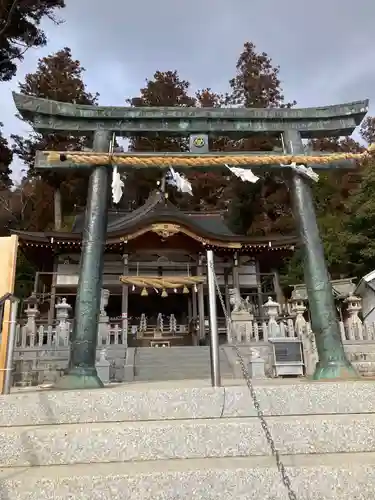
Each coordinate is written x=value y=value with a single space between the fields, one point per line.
x=293 y=125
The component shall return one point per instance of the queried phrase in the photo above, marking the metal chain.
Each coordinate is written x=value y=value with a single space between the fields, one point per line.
x=280 y=466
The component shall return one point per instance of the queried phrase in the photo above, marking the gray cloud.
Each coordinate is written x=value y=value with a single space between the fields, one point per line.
x=325 y=48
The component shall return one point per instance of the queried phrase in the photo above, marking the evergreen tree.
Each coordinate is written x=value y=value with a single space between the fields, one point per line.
x=58 y=77
x=164 y=89
x=263 y=207
x=333 y=194
x=359 y=231
x=368 y=130
x=20 y=30
x=168 y=89
x=6 y=157
x=257 y=83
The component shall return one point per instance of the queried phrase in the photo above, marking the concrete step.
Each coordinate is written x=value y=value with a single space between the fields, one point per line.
x=185 y=400
x=150 y=376
x=184 y=439
x=189 y=442
x=314 y=477
x=169 y=360
x=175 y=371
x=175 y=360
x=164 y=377
x=173 y=352
x=177 y=363
x=180 y=369
x=156 y=372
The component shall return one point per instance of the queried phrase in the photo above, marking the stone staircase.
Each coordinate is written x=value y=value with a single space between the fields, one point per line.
x=177 y=363
x=188 y=442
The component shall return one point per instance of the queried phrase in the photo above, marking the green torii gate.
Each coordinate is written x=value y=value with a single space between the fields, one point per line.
x=102 y=122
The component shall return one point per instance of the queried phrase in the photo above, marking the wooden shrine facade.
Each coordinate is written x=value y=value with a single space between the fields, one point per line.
x=154 y=265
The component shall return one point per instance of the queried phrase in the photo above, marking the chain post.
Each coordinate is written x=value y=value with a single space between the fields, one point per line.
x=271 y=443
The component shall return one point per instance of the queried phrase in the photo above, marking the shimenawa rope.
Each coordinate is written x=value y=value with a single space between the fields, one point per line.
x=81 y=158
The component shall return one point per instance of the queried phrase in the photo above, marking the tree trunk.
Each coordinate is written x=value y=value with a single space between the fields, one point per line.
x=57 y=209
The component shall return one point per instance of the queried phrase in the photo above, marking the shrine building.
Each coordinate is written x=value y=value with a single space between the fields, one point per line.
x=155 y=268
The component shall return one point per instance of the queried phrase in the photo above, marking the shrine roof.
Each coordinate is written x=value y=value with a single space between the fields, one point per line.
x=159 y=209
x=209 y=228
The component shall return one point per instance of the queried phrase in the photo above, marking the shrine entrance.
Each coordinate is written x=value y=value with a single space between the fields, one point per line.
x=291 y=125
x=154 y=316
x=154 y=304
x=160 y=307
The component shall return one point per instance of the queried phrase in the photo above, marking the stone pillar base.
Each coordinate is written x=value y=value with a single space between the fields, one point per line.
x=79 y=379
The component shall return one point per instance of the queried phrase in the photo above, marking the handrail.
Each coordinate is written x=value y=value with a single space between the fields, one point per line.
x=10 y=340
x=7 y=296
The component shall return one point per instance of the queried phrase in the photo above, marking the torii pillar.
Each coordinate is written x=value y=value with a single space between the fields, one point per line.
x=333 y=363
x=81 y=372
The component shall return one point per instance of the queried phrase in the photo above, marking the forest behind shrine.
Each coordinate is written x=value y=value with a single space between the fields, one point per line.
x=345 y=201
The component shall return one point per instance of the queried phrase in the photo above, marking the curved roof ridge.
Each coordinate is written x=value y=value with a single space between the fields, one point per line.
x=152 y=201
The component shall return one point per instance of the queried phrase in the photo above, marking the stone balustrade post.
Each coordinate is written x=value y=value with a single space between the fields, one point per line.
x=142 y=326
x=304 y=333
x=353 y=323
x=103 y=367
x=103 y=322
x=172 y=323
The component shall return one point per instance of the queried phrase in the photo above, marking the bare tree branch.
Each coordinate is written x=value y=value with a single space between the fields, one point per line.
x=9 y=17
x=25 y=46
x=20 y=54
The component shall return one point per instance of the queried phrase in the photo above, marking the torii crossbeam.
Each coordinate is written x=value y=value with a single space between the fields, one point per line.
x=293 y=125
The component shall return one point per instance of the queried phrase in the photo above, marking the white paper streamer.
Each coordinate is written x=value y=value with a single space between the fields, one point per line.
x=307 y=172
x=245 y=174
x=180 y=182
x=117 y=186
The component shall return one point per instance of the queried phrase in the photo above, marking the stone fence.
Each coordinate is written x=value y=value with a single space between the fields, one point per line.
x=358 y=338
x=42 y=352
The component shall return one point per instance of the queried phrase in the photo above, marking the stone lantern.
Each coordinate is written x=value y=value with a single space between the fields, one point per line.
x=32 y=312
x=63 y=325
x=62 y=311
x=272 y=311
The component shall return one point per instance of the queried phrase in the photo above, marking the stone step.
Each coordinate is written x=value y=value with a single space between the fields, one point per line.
x=185 y=400
x=179 y=369
x=178 y=359
x=328 y=477
x=157 y=373
x=178 y=363
x=175 y=351
x=181 y=357
x=164 y=377
x=198 y=370
x=184 y=439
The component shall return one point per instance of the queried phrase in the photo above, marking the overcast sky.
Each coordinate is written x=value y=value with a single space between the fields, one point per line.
x=325 y=48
